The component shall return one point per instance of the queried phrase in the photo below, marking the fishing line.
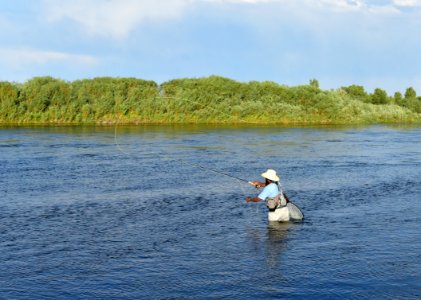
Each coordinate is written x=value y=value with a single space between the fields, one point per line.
x=201 y=106
x=115 y=139
x=241 y=180
x=213 y=170
x=116 y=143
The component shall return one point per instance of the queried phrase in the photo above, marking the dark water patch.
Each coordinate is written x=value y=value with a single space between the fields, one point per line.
x=11 y=145
x=79 y=145
x=85 y=155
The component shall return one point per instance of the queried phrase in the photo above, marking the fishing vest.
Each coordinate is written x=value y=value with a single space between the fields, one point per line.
x=276 y=202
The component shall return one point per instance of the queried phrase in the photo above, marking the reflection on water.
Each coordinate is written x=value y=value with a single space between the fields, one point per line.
x=276 y=242
x=96 y=212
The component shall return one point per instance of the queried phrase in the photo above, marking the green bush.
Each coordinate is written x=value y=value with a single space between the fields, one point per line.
x=212 y=99
x=379 y=97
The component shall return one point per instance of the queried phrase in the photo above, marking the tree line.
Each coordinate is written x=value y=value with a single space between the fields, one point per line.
x=214 y=99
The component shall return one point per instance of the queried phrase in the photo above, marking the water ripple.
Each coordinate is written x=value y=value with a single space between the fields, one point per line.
x=81 y=219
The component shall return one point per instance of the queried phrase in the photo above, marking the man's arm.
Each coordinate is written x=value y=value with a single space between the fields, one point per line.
x=257 y=184
x=255 y=199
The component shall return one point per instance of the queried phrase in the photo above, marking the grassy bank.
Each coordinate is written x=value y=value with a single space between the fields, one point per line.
x=46 y=100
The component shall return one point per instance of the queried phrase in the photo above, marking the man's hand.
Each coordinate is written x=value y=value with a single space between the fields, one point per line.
x=256 y=199
x=255 y=184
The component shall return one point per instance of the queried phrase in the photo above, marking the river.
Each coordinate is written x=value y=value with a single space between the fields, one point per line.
x=139 y=213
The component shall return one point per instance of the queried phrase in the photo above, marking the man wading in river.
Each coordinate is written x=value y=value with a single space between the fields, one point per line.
x=272 y=193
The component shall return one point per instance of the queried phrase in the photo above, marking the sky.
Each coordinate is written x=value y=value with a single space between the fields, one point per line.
x=373 y=43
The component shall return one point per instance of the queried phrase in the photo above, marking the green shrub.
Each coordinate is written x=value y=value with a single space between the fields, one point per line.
x=211 y=99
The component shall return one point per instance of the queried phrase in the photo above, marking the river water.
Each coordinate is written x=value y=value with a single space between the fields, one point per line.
x=127 y=213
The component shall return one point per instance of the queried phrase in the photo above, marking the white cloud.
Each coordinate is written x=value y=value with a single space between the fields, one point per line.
x=341 y=6
x=392 y=7
x=344 y=4
x=119 y=18
x=244 y=1
x=407 y=3
x=113 y=18
x=21 y=57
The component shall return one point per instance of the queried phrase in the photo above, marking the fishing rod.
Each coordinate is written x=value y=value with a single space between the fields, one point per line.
x=225 y=174
x=231 y=176
x=213 y=170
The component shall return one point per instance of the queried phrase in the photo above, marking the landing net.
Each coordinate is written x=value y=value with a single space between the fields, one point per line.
x=295 y=212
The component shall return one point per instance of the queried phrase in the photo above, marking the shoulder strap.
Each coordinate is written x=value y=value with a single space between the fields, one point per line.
x=282 y=199
x=280 y=188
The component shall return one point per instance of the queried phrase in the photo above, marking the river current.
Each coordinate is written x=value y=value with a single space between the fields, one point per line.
x=139 y=213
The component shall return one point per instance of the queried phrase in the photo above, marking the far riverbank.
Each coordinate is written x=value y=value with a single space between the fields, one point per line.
x=212 y=100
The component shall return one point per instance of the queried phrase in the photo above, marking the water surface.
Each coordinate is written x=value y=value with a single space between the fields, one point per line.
x=127 y=212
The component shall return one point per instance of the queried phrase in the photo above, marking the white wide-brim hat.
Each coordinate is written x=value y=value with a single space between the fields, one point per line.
x=271 y=175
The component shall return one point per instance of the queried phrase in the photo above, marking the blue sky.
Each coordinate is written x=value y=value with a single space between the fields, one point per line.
x=374 y=43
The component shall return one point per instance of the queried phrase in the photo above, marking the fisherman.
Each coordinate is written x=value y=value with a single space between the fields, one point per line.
x=272 y=193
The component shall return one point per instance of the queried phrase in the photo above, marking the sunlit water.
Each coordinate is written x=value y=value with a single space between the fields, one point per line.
x=127 y=213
